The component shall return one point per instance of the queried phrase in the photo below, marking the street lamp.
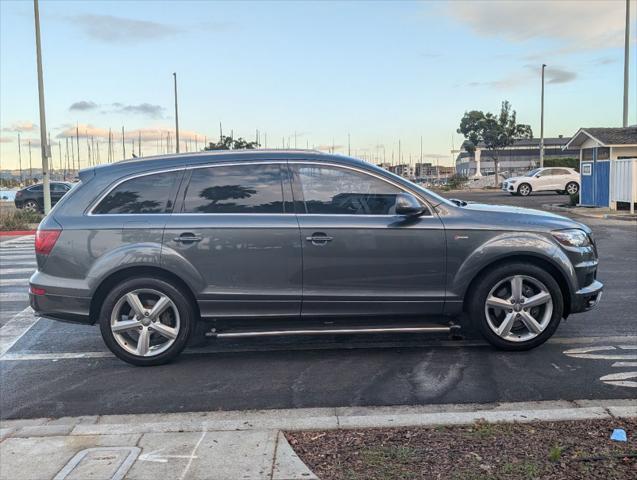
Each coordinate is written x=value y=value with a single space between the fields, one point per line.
x=44 y=147
x=542 y=122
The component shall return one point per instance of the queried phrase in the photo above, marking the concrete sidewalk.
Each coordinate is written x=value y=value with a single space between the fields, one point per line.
x=231 y=445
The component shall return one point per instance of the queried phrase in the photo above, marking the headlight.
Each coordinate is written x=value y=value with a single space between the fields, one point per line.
x=511 y=181
x=572 y=238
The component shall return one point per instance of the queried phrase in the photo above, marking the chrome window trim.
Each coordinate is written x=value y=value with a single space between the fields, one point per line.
x=94 y=205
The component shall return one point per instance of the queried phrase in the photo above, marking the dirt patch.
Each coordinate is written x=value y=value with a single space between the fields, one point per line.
x=546 y=450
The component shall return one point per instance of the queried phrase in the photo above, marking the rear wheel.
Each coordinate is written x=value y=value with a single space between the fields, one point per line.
x=146 y=321
x=524 y=189
x=31 y=206
x=517 y=306
x=572 y=188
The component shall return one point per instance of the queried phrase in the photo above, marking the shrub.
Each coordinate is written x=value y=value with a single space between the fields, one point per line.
x=18 y=220
x=573 y=199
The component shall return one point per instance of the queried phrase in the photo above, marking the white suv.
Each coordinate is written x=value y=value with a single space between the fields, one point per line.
x=560 y=179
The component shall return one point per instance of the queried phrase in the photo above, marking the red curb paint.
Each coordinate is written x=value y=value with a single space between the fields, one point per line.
x=17 y=233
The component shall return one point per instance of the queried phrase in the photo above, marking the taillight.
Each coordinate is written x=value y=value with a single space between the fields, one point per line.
x=45 y=240
x=19 y=193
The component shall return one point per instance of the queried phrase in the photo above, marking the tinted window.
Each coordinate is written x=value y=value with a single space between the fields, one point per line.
x=147 y=194
x=235 y=189
x=330 y=190
x=35 y=188
x=59 y=187
x=561 y=171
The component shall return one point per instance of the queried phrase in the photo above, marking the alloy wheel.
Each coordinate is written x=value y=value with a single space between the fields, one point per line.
x=145 y=322
x=524 y=190
x=30 y=206
x=572 y=188
x=518 y=308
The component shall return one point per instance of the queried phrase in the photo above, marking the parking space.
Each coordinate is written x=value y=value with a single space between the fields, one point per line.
x=55 y=369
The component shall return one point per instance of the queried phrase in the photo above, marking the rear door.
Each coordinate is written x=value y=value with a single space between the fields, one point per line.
x=359 y=257
x=544 y=180
x=234 y=226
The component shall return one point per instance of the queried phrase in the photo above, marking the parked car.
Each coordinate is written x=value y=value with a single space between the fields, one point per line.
x=31 y=198
x=560 y=179
x=262 y=243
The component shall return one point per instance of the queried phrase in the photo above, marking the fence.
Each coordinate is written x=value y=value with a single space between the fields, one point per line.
x=623 y=183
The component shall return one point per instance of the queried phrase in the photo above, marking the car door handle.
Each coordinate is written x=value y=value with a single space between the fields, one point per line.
x=187 y=238
x=319 y=238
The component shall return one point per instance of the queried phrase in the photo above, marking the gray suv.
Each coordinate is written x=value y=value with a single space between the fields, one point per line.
x=258 y=243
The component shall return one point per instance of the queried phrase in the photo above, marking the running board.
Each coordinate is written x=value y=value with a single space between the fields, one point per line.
x=451 y=329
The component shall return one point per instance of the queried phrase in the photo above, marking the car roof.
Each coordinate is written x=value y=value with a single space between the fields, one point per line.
x=207 y=157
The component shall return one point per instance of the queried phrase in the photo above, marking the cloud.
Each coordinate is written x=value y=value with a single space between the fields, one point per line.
x=83 y=105
x=112 y=29
x=21 y=127
x=153 y=111
x=146 y=134
x=605 y=60
x=6 y=139
x=593 y=24
x=529 y=73
x=330 y=147
x=558 y=75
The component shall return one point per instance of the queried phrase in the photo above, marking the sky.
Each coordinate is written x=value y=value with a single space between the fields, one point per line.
x=383 y=73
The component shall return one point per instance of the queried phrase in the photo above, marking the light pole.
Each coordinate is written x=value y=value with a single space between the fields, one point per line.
x=542 y=122
x=43 y=145
x=176 y=116
x=626 y=63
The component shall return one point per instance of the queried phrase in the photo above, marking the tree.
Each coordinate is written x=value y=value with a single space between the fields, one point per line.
x=229 y=143
x=495 y=132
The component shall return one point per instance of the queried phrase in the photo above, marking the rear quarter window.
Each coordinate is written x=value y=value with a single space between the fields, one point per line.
x=148 y=194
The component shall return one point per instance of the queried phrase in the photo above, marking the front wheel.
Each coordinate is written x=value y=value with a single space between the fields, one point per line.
x=146 y=321
x=524 y=190
x=31 y=206
x=516 y=306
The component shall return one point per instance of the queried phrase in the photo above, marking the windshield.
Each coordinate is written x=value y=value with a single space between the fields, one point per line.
x=533 y=172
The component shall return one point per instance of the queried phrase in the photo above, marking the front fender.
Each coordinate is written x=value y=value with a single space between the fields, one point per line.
x=510 y=245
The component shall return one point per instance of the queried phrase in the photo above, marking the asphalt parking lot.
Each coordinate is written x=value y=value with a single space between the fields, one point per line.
x=57 y=369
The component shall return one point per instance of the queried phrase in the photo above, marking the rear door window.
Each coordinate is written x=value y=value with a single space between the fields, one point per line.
x=147 y=194
x=236 y=189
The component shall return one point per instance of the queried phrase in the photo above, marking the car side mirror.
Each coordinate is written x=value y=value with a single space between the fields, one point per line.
x=408 y=205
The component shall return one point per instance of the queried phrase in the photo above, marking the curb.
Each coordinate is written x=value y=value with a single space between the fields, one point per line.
x=581 y=212
x=16 y=233
x=322 y=418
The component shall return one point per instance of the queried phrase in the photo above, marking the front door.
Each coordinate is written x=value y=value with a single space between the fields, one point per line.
x=237 y=232
x=359 y=257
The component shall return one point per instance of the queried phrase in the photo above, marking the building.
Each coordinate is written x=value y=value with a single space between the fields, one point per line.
x=519 y=158
x=598 y=149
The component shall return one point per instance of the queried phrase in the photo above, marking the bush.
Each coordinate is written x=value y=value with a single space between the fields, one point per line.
x=457 y=181
x=573 y=199
x=562 y=162
x=18 y=220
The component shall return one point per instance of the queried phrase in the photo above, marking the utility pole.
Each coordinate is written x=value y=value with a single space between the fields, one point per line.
x=176 y=116
x=542 y=121
x=139 y=144
x=77 y=141
x=20 y=159
x=123 y=145
x=349 y=146
x=626 y=63
x=46 y=152
x=30 y=164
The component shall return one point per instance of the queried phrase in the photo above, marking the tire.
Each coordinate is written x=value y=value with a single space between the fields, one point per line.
x=572 y=188
x=496 y=283
x=176 y=320
x=524 y=189
x=31 y=206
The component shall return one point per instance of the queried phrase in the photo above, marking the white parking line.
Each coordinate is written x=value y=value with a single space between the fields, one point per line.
x=10 y=271
x=15 y=328
x=14 y=296
x=14 y=281
x=21 y=357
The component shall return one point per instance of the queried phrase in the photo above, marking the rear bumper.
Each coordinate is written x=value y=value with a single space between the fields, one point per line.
x=587 y=298
x=62 y=308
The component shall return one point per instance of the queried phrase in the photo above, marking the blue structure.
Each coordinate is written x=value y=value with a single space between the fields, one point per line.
x=598 y=148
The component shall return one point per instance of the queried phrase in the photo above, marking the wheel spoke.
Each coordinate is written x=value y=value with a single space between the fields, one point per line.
x=530 y=323
x=136 y=304
x=125 y=325
x=498 y=302
x=537 y=300
x=516 y=288
x=143 y=344
x=505 y=327
x=159 y=307
x=164 y=330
